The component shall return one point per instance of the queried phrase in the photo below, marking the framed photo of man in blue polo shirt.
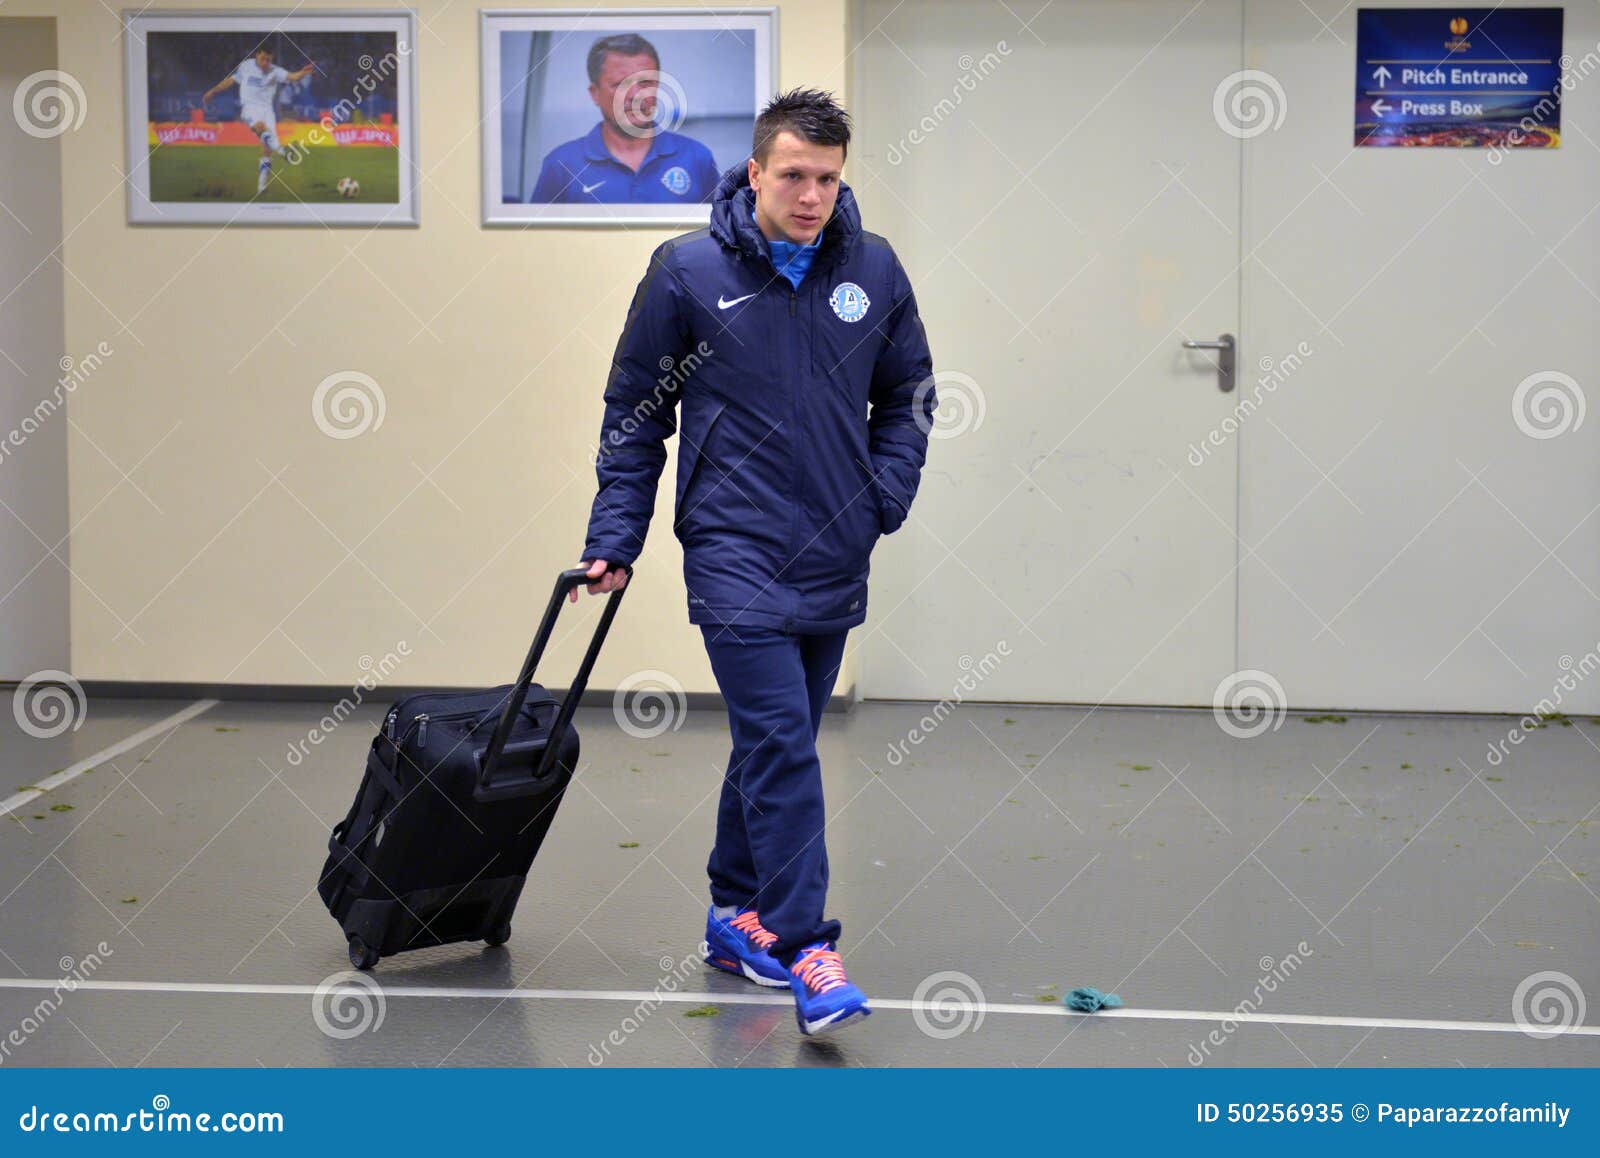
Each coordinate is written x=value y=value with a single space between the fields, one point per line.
x=619 y=116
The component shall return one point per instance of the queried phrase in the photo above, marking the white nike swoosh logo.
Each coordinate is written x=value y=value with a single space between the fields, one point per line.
x=592 y=188
x=723 y=303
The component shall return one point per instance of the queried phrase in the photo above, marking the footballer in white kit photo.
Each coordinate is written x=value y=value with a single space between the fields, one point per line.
x=259 y=79
x=291 y=116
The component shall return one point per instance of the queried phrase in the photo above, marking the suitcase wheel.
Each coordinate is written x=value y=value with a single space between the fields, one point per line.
x=362 y=956
x=499 y=935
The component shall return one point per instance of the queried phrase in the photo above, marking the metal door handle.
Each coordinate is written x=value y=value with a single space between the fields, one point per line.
x=1224 y=346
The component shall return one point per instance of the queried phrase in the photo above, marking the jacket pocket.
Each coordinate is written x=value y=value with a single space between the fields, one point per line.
x=869 y=479
x=691 y=464
x=870 y=497
x=880 y=503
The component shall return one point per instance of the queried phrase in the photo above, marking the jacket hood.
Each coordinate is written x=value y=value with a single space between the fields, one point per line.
x=733 y=226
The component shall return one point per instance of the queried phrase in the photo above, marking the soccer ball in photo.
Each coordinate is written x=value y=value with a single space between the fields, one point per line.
x=348 y=187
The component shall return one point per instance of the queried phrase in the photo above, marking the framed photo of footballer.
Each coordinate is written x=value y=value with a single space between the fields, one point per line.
x=266 y=117
x=619 y=116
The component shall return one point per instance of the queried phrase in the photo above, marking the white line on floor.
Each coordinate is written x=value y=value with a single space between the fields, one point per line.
x=1126 y=1013
x=73 y=771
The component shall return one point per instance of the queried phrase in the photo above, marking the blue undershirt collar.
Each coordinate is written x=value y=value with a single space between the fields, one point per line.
x=790 y=259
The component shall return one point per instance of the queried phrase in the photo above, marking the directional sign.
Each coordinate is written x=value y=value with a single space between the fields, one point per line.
x=1453 y=77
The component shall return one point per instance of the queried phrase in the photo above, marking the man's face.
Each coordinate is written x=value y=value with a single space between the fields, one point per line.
x=635 y=112
x=264 y=60
x=796 y=188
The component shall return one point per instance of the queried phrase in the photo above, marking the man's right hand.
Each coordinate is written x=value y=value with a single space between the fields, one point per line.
x=603 y=578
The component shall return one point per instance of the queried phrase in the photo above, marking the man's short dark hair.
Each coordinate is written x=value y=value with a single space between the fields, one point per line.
x=806 y=112
x=623 y=44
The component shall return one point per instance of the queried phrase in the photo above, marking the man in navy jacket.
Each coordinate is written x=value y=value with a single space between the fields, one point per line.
x=790 y=338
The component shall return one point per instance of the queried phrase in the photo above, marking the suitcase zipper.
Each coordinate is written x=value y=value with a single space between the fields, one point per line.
x=419 y=722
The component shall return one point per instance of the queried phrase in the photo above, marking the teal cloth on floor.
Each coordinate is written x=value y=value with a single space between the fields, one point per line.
x=1088 y=999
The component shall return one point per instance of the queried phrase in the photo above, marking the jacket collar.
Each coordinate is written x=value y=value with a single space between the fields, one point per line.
x=778 y=247
x=733 y=224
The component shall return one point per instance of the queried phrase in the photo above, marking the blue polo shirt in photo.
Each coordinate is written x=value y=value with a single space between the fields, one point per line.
x=676 y=170
x=790 y=259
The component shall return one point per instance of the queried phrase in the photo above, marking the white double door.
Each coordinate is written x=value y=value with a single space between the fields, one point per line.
x=1379 y=515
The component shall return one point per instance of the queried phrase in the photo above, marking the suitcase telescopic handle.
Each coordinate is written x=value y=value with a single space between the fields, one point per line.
x=565 y=582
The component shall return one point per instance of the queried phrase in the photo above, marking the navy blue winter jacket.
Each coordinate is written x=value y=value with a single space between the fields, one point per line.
x=804 y=424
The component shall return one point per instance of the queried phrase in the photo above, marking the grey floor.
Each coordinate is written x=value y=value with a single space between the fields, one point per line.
x=1023 y=850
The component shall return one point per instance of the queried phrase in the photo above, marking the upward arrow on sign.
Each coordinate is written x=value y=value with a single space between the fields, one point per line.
x=1380 y=74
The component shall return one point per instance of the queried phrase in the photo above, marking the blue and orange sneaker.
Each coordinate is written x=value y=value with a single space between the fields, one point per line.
x=824 y=999
x=739 y=945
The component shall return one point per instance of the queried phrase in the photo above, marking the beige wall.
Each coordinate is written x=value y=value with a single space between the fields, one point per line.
x=33 y=458
x=247 y=546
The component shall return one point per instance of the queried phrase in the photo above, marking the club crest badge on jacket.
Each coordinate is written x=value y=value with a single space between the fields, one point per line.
x=849 y=301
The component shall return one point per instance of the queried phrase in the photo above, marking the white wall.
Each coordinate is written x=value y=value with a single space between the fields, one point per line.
x=1378 y=534
x=1410 y=545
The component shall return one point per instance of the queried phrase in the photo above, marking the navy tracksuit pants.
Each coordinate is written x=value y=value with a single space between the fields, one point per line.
x=770 y=853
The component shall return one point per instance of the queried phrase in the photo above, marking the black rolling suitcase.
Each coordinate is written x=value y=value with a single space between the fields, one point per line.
x=459 y=791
